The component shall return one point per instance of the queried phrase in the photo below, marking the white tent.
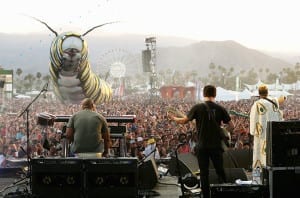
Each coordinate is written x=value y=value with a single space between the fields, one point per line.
x=245 y=94
x=22 y=96
x=275 y=86
x=279 y=93
x=225 y=95
x=229 y=95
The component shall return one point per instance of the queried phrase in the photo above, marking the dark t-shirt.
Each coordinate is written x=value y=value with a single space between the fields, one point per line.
x=208 y=130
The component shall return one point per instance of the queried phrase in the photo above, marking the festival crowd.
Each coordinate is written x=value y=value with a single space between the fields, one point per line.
x=151 y=126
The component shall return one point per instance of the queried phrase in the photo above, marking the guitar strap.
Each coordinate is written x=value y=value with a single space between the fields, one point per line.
x=223 y=132
x=271 y=101
x=210 y=114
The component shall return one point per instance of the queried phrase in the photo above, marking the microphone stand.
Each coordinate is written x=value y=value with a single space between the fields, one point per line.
x=26 y=110
x=142 y=161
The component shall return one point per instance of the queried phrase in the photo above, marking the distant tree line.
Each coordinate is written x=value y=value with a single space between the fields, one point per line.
x=226 y=77
x=29 y=82
x=222 y=76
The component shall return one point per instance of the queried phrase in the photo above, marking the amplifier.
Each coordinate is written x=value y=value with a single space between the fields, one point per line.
x=283 y=181
x=115 y=177
x=57 y=178
x=283 y=148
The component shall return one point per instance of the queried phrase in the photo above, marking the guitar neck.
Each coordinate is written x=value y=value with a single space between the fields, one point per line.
x=244 y=115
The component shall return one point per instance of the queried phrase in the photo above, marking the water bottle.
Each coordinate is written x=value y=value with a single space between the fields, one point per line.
x=256 y=176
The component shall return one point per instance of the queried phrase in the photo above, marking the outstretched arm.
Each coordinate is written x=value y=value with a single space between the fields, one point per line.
x=177 y=116
x=179 y=120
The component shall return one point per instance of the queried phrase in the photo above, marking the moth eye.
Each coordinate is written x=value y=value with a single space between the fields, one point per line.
x=72 y=42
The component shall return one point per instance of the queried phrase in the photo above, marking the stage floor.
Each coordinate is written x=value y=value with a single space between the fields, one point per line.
x=166 y=187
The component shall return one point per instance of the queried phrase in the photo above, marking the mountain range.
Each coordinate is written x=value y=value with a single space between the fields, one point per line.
x=30 y=52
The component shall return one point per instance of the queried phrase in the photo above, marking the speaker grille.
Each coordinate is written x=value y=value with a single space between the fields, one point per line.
x=283 y=143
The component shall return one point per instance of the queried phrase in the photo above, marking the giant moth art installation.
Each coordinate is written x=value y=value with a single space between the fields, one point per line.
x=70 y=70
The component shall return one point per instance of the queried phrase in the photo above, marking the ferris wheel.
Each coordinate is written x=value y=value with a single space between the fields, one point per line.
x=116 y=64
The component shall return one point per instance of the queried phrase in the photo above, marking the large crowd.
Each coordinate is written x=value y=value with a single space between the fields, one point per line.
x=20 y=121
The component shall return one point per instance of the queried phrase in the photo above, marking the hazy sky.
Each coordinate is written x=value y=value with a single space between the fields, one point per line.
x=272 y=25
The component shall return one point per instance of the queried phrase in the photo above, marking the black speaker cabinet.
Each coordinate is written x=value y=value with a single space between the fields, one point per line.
x=111 y=177
x=283 y=143
x=238 y=191
x=283 y=181
x=148 y=175
x=57 y=178
x=84 y=178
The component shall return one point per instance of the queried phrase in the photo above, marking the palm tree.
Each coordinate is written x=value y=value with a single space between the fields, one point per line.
x=19 y=72
x=39 y=81
x=38 y=75
x=18 y=84
x=29 y=79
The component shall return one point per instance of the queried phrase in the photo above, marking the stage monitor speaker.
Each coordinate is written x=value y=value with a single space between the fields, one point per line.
x=57 y=178
x=148 y=175
x=146 y=58
x=283 y=148
x=232 y=174
x=238 y=158
x=283 y=181
x=188 y=163
x=111 y=177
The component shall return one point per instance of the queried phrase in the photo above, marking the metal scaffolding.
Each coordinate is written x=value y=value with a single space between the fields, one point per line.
x=151 y=45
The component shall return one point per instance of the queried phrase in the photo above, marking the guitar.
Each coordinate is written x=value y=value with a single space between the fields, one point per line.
x=244 y=115
x=226 y=138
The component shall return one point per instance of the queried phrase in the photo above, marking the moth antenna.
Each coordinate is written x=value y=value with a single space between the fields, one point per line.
x=97 y=27
x=44 y=24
